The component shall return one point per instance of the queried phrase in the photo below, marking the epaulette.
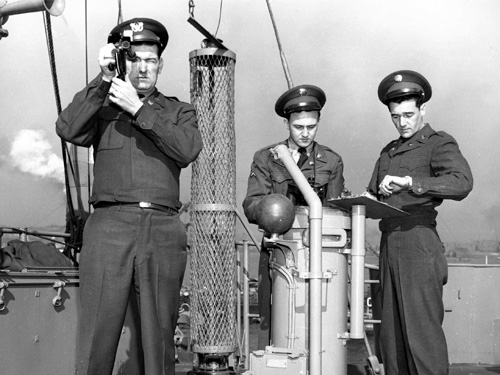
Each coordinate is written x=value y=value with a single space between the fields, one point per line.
x=173 y=98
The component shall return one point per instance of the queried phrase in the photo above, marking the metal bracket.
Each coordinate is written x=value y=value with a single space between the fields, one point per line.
x=373 y=366
x=344 y=336
x=316 y=275
x=3 y=286
x=334 y=238
x=205 y=33
x=178 y=336
x=57 y=300
x=292 y=353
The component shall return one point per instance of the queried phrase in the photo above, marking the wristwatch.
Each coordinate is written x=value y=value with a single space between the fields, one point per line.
x=410 y=183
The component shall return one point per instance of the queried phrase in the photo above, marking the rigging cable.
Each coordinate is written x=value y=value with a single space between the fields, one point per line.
x=120 y=14
x=220 y=17
x=74 y=224
x=282 y=54
x=86 y=46
x=86 y=83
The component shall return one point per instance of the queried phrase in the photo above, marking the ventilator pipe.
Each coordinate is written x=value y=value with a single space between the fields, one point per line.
x=54 y=7
x=315 y=267
x=357 y=272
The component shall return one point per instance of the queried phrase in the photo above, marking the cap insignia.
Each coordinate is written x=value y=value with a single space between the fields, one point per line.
x=302 y=92
x=398 y=78
x=137 y=27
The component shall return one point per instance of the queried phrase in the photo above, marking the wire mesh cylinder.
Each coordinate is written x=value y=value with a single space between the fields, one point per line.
x=213 y=198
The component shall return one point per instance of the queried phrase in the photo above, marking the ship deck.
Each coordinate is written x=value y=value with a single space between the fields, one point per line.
x=357 y=355
x=358 y=369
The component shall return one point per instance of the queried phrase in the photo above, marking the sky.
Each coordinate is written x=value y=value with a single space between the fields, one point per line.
x=344 y=47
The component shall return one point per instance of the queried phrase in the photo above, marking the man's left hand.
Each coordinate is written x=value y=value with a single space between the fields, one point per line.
x=125 y=95
x=393 y=184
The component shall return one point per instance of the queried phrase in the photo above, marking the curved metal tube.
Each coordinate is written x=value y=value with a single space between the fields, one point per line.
x=315 y=281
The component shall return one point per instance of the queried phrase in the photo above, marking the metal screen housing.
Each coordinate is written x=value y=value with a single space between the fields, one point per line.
x=213 y=198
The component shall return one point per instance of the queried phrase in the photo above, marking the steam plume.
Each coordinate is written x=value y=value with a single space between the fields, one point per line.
x=32 y=153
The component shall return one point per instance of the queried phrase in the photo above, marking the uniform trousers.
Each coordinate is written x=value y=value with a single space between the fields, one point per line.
x=413 y=270
x=130 y=249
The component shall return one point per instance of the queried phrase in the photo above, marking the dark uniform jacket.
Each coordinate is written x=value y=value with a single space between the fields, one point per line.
x=324 y=169
x=134 y=159
x=437 y=167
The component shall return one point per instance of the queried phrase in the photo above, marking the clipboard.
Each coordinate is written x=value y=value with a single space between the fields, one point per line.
x=374 y=208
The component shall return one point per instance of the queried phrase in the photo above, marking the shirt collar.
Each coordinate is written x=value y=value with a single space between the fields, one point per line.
x=422 y=135
x=294 y=149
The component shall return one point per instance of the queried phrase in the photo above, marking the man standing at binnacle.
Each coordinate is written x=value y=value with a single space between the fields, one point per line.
x=415 y=173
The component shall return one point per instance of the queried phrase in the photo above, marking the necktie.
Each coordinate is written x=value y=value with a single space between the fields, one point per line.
x=303 y=157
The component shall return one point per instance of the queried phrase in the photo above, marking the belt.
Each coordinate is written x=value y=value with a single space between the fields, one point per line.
x=143 y=205
x=405 y=223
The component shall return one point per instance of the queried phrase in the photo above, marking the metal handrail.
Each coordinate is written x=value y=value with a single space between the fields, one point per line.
x=25 y=232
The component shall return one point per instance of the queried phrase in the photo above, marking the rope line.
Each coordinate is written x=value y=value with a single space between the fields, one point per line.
x=50 y=46
x=74 y=224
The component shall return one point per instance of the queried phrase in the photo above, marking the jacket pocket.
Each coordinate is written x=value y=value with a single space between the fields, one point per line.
x=415 y=163
x=113 y=129
x=280 y=176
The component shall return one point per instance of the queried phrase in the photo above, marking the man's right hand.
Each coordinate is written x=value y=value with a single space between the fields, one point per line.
x=106 y=58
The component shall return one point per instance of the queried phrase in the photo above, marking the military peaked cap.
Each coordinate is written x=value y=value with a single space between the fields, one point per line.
x=141 y=30
x=402 y=83
x=300 y=98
